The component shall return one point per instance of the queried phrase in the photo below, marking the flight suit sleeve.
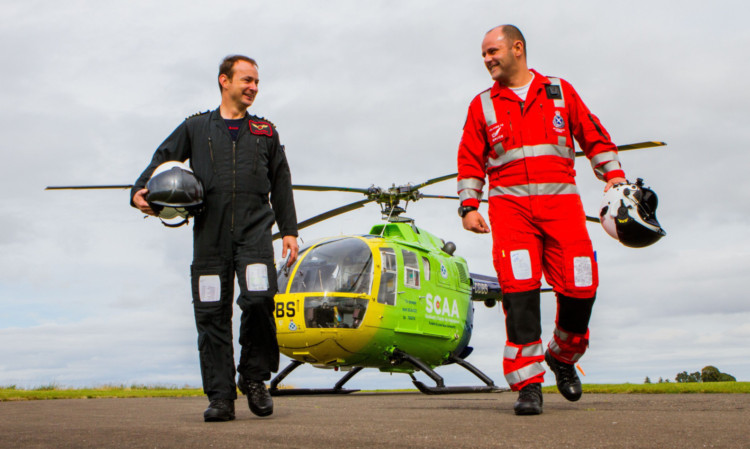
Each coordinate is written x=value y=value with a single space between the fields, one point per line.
x=592 y=137
x=176 y=147
x=472 y=157
x=282 y=198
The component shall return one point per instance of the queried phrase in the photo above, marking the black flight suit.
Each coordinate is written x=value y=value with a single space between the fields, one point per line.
x=233 y=235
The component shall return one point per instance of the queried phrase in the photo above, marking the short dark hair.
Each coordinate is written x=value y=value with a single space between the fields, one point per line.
x=512 y=34
x=227 y=65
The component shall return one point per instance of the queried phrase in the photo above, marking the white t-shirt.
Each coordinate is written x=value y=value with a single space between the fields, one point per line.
x=523 y=91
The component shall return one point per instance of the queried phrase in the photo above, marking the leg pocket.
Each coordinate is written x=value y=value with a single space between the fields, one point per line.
x=211 y=283
x=257 y=277
x=581 y=277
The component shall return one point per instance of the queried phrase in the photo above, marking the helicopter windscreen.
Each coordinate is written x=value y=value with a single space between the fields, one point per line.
x=336 y=266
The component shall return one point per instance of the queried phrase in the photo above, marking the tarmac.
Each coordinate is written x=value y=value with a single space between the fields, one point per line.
x=392 y=420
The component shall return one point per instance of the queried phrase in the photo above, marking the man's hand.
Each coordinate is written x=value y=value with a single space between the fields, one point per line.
x=474 y=222
x=614 y=181
x=139 y=199
x=289 y=242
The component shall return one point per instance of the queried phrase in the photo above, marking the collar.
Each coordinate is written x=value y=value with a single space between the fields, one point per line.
x=503 y=91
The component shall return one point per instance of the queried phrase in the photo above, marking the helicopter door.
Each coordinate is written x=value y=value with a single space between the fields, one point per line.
x=408 y=301
x=388 y=277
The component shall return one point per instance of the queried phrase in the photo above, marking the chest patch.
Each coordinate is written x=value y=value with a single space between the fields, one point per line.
x=261 y=129
x=558 y=122
x=496 y=133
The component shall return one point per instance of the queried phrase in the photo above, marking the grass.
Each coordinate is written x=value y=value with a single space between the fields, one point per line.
x=54 y=391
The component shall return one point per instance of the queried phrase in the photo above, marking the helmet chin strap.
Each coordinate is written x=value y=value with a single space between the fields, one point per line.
x=174 y=225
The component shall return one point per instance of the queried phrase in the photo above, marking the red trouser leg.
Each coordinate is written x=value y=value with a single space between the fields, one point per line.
x=522 y=364
x=523 y=350
x=568 y=347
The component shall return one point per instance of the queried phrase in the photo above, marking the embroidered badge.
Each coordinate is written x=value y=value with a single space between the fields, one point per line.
x=496 y=133
x=261 y=129
x=558 y=122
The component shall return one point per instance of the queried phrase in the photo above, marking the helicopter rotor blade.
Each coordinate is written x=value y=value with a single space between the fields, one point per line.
x=123 y=186
x=328 y=188
x=633 y=146
x=435 y=180
x=330 y=214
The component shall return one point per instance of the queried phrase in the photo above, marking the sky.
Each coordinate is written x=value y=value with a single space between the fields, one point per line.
x=362 y=93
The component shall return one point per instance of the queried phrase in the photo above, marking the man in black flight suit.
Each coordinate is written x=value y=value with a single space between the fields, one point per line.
x=239 y=160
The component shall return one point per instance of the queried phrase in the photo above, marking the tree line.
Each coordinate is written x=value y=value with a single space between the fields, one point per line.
x=707 y=374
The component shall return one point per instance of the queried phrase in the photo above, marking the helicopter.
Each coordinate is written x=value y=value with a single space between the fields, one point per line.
x=397 y=298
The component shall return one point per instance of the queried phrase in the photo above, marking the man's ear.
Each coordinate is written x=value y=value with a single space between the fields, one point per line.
x=223 y=80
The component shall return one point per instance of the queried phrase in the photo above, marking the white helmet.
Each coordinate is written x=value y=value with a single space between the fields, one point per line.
x=628 y=214
x=174 y=191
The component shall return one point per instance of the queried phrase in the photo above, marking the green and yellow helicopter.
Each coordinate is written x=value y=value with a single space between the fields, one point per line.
x=396 y=298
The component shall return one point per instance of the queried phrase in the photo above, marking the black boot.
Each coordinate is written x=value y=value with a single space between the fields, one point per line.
x=529 y=400
x=258 y=397
x=219 y=410
x=567 y=380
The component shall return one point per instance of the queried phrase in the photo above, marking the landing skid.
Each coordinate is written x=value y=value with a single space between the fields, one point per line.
x=398 y=357
x=440 y=387
x=337 y=389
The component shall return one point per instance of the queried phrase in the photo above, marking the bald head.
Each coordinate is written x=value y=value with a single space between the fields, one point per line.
x=510 y=34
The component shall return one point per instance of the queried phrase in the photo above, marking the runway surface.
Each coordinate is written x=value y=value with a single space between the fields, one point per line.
x=393 y=420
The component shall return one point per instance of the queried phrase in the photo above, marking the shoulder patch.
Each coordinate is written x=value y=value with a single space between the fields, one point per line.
x=261 y=128
x=198 y=114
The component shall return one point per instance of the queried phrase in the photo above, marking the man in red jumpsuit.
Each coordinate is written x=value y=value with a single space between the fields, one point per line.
x=519 y=134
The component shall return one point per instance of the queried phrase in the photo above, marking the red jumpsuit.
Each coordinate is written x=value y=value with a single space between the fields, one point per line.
x=526 y=150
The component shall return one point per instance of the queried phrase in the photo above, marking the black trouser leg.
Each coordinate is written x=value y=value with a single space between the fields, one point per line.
x=212 y=302
x=259 y=356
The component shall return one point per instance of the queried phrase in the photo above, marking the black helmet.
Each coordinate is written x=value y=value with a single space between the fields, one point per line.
x=174 y=191
x=628 y=214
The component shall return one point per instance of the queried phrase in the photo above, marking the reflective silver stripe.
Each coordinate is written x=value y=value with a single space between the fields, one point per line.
x=489 y=110
x=490 y=117
x=561 y=334
x=604 y=157
x=556 y=82
x=470 y=183
x=554 y=347
x=561 y=141
x=533 y=351
x=525 y=373
x=608 y=167
x=532 y=151
x=535 y=189
x=469 y=193
x=510 y=352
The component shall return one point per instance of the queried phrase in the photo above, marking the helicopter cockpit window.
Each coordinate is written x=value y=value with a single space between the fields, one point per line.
x=388 y=277
x=411 y=269
x=283 y=273
x=337 y=266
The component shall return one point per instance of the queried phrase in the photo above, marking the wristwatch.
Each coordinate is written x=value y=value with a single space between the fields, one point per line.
x=463 y=210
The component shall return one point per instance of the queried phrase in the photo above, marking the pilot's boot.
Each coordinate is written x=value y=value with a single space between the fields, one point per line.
x=219 y=410
x=529 y=400
x=258 y=398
